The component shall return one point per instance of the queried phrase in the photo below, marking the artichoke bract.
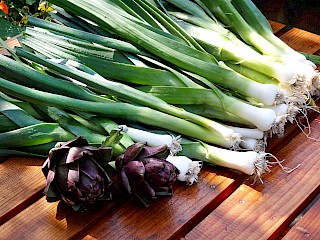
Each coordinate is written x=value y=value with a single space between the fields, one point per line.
x=143 y=171
x=77 y=173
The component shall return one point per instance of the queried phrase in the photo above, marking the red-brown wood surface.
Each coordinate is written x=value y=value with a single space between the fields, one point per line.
x=308 y=227
x=21 y=181
x=166 y=216
x=302 y=40
x=12 y=42
x=170 y=218
x=276 y=26
x=43 y=220
x=262 y=212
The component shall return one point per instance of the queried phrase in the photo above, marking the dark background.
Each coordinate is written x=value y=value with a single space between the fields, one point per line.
x=304 y=14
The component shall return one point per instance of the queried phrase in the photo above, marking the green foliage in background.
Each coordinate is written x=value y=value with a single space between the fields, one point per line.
x=12 y=23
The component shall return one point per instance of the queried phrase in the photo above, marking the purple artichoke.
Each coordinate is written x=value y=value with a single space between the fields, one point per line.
x=77 y=173
x=144 y=172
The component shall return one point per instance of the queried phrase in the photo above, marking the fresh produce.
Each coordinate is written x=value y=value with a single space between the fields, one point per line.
x=77 y=174
x=144 y=172
x=197 y=82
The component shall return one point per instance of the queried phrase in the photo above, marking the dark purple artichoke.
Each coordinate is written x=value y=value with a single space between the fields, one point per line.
x=76 y=173
x=144 y=172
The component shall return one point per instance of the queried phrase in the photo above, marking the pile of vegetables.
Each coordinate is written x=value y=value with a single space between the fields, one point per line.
x=204 y=80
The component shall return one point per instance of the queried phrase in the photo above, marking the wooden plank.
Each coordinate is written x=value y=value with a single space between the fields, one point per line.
x=301 y=40
x=12 y=42
x=43 y=220
x=21 y=182
x=276 y=26
x=262 y=212
x=172 y=217
x=162 y=219
x=307 y=227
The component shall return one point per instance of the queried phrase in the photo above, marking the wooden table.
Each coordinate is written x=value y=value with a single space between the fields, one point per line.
x=222 y=205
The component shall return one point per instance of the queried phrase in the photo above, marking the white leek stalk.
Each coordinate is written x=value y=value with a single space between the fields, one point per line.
x=262 y=118
x=152 y=139
x=233 y=49
x=249 y=144
x=188 y=169
x=249 y=162
x=253 y=133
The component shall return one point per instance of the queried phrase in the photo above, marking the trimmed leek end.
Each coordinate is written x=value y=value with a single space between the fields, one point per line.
x=249 y=144
x=249 y=162
x=253 y=133
x=257 y=145
x=188 y=169
x=316 y=85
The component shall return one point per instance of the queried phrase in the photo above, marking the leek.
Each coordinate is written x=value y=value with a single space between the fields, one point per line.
x=62 y=47
x=249 y=162
x=7 y=124
x=165 y=47
x=123 y=91
x=258 y=21
x=305 y=76
x=152 y=139
x=34 y=135
x=262 y=118
x=122 y=110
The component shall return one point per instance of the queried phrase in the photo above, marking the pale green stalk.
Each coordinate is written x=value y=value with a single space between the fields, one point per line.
x=120 y=90
x=114 y=68
x=163 y=46
x=260 y=117
x=124 y=111
x=249 y=162
x=254 y=17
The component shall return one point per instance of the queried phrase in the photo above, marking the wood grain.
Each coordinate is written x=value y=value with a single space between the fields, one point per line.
x=276 y=26
x=170 y=217
x=262 y=212
x=308 y=227
x=162 y=219
x=301 y=40
x=54 y=221
x=21 y=181
x=12 y=42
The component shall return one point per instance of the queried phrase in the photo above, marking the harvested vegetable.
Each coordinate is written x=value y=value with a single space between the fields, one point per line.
x=144 y=172
x=210 y=74
x=77 y=174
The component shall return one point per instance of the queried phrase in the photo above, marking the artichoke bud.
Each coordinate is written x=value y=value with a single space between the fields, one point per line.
x=144 y=172
x=76 y=173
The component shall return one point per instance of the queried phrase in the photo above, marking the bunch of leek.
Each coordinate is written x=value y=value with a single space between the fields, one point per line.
x=143 y=24
x=145 y=77
x=68 y=125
